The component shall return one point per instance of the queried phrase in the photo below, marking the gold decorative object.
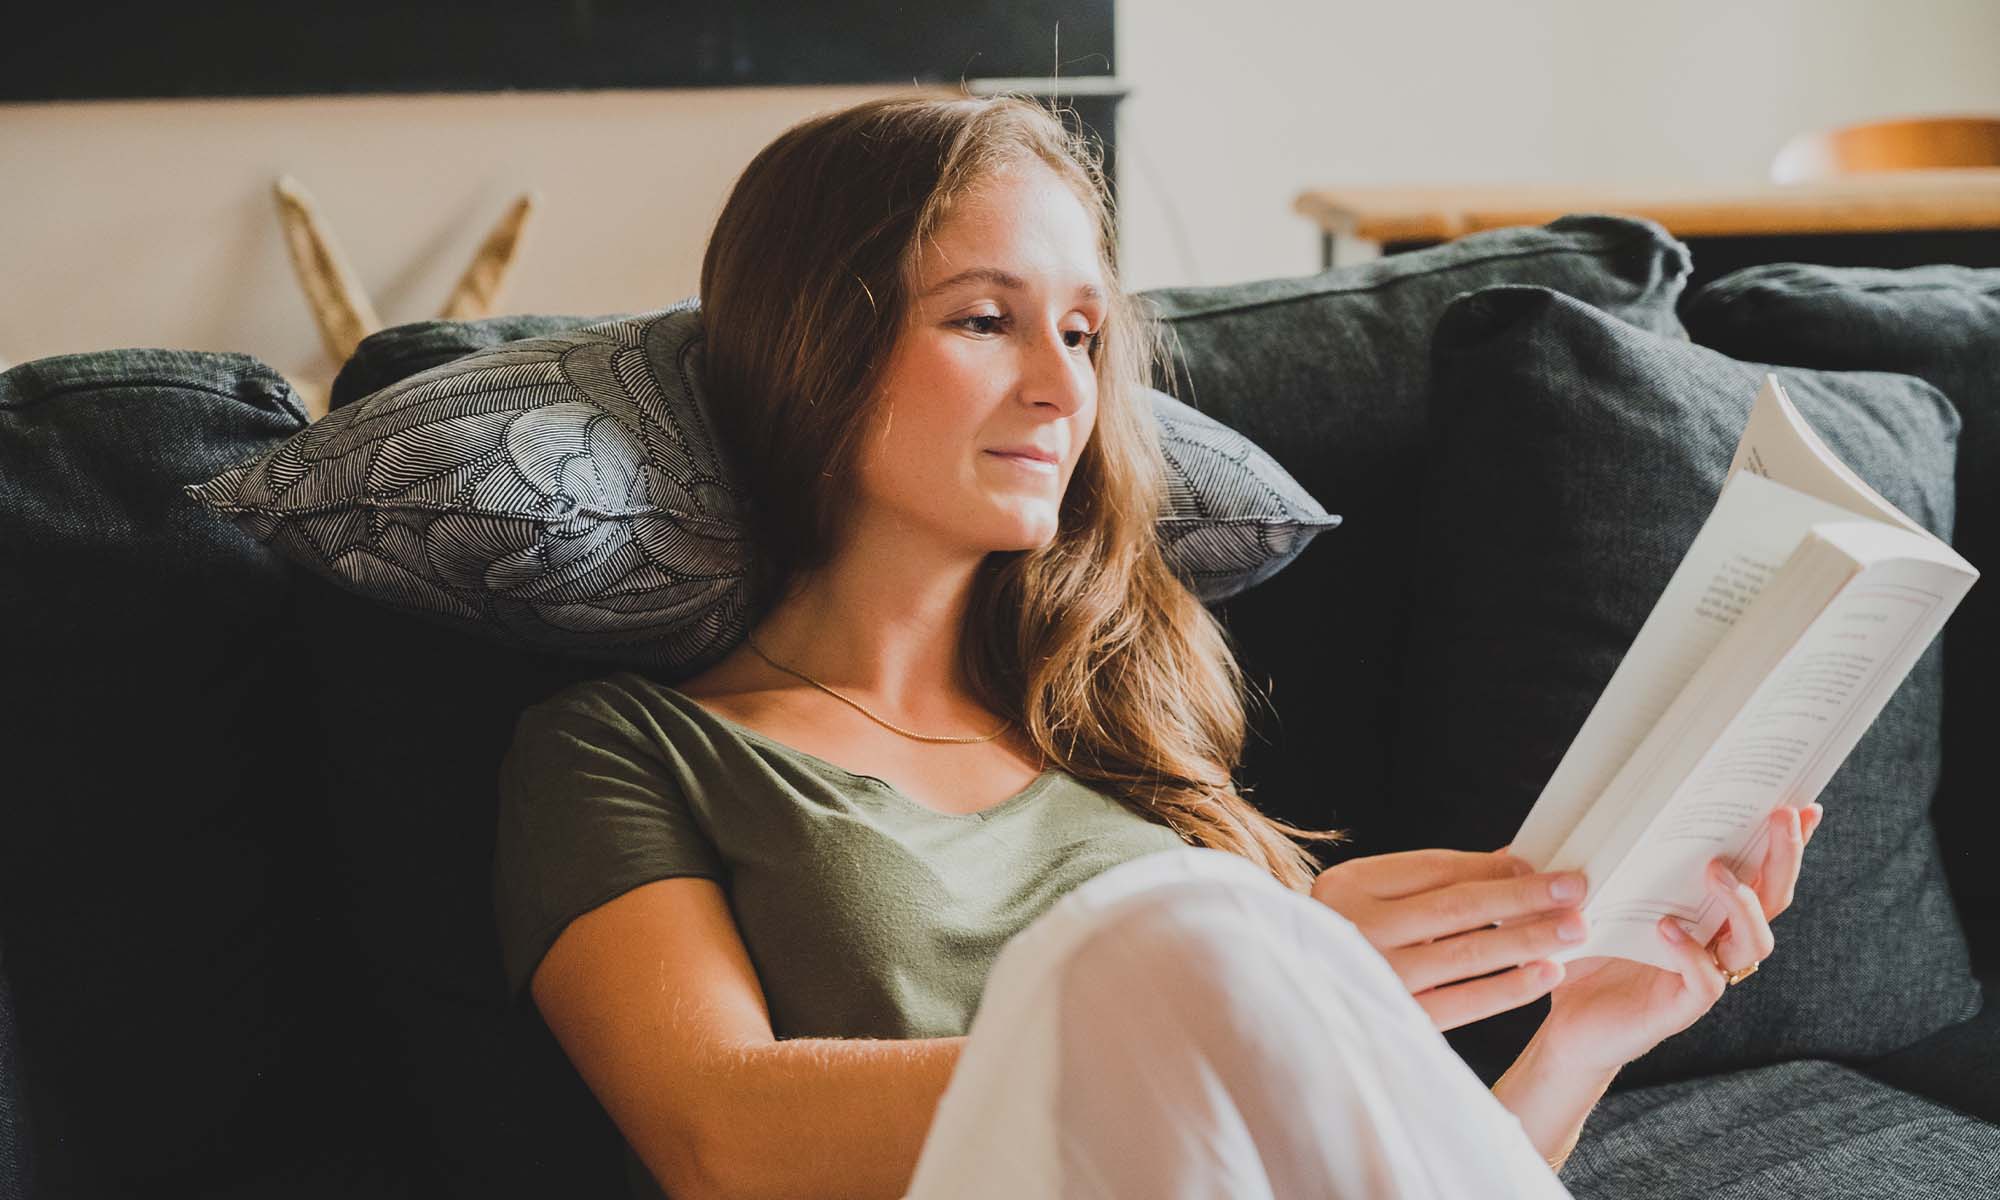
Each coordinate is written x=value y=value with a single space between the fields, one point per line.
x=339 y=303
x=478 y=290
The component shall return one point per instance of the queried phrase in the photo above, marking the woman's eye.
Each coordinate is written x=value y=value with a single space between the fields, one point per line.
x=1075 y=339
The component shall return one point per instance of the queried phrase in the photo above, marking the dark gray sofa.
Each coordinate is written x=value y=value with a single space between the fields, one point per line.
x=246 y=946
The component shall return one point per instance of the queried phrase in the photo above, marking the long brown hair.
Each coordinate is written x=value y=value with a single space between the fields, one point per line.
x=1110 y=664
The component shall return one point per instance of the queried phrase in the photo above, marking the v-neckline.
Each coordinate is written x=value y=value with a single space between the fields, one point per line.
x=1034 y=787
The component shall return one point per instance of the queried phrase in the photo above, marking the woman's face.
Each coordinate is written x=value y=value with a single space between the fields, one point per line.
x=995 y=354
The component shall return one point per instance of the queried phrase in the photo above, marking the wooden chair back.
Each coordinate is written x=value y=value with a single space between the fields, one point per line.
x=1893 y=145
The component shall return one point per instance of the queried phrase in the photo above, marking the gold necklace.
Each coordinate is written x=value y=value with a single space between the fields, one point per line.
x=871 y=716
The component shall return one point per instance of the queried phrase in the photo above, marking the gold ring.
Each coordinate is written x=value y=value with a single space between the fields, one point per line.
x=1729 y=976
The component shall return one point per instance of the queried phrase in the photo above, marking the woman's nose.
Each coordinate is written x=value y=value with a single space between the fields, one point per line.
x=1057 y=373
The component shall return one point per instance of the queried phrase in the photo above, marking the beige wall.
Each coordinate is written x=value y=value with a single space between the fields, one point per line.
x=1229 y=119
x=151 y=223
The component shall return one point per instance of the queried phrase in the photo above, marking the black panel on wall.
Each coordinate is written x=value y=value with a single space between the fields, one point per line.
x=83 y=50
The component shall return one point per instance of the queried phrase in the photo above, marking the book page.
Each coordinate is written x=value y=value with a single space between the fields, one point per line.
x=1754 y=527
x=1778 y=444
x=1781 y=748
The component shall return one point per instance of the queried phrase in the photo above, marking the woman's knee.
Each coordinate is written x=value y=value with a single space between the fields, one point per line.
x=1206 y=943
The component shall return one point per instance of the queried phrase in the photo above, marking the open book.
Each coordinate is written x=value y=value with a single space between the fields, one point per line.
x=1800 y=607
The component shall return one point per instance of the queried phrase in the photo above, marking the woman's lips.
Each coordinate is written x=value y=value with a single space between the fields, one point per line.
x=1031 y=464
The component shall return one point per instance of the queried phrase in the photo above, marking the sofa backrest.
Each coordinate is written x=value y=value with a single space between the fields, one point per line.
x=174 y=971
x=16 y=1173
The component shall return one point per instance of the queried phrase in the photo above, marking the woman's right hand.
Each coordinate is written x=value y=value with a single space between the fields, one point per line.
x=1432 y=914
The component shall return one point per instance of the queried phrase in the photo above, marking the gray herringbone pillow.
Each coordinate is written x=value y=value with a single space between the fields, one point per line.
x=569 y=492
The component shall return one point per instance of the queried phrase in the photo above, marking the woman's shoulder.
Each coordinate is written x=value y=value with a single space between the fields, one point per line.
x=621 y=717
x=625 y=698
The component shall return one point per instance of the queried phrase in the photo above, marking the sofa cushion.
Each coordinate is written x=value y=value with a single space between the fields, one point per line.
x=177 y=978
x=1329 y=373
x=569 y=492
x=1574 y=459
x=1802 y=1128
x=390 y=355
x=1958 y=1065
x=1939 y=323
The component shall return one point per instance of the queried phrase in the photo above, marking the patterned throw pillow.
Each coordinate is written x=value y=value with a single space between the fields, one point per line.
x=1572 y=460
x=569 y=492
x=1233 y=518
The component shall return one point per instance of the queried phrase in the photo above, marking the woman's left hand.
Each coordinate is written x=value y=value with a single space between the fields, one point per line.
x=1608 y=1011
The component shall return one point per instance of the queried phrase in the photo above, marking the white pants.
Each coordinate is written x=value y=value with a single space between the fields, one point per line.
x=1182 y=1026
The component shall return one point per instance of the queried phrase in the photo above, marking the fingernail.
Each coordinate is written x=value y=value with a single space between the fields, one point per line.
x=1571 y=929
x=1722 y=875
x=1673 y=930
x=1795 y=826
x=1566 y=887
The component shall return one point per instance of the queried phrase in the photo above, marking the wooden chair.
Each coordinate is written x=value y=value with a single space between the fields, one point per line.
x=1894 y=145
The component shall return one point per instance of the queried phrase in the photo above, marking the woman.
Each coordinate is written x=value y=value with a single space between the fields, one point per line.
x=976 y=711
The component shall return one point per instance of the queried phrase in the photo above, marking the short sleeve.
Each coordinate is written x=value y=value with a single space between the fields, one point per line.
x=588 y=812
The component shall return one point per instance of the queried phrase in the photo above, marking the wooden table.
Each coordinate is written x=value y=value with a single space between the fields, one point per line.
x=1893 y=218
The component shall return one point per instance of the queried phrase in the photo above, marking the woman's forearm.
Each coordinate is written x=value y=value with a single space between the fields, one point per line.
x=1550 y=1098
x=825 y=1117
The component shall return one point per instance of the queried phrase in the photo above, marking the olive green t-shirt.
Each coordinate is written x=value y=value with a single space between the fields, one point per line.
x=865 y=914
